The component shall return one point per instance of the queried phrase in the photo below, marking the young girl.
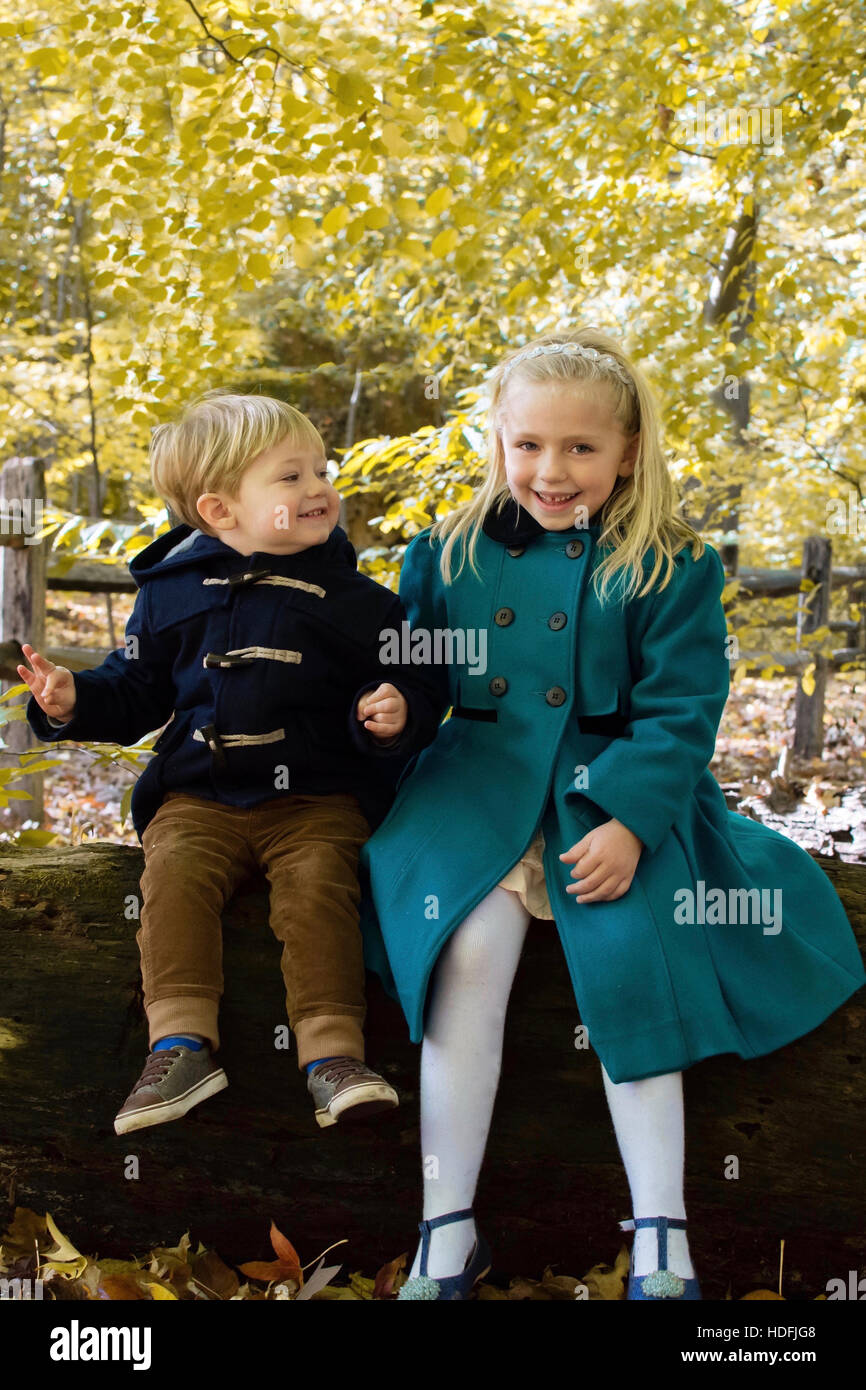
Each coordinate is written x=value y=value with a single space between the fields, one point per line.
x=571 y=783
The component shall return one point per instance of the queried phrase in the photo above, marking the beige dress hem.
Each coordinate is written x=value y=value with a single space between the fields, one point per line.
x=526 y=879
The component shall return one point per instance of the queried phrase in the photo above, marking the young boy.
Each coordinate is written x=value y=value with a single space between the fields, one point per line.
x=254 y=631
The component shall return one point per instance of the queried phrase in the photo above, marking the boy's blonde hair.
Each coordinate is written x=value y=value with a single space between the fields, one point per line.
x=213 y=442
x=639 y=513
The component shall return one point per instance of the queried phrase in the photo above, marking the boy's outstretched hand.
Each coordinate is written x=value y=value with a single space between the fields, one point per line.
x=604 y=862
x=53 y=687
x=384 y=712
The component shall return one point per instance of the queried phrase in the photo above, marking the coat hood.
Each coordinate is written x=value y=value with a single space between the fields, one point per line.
x=185 y=546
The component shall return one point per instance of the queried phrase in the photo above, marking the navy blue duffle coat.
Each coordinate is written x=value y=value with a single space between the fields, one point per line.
x=274 y=647
x=582 y=714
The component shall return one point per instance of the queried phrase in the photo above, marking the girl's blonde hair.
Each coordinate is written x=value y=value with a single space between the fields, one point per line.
x=213 y=442
x=638 y=515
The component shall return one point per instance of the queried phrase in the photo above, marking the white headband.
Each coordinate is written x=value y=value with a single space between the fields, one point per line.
x=601 y=359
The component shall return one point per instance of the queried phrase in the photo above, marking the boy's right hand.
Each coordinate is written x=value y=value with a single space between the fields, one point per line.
x=53 y=687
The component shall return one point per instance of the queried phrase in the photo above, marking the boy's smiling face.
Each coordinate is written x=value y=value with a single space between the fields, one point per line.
x=564 y=450
x=285 y=503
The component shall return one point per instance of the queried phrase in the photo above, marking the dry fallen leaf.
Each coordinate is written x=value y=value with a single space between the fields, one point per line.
x=822 y=797
x=318 y=1280
x=172 y=1262
x=528 y=1289
x=608 y=1283
x=561 y=1286
x=286 y=1253
x=110 y=1266
x=213 y=1275
x=121 y=1287
x=89 y=1280
x=67 y=1269
x=285 y=1266
x=28 y=1230
x=341 y=1294
x=386 y=1282
x=363 y=1287
x=266 y=1271
x=62 y=1251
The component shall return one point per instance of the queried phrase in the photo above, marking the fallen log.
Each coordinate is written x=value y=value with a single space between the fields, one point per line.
x=72 y=1041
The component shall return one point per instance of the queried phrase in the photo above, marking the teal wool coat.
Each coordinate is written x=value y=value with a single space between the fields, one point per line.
x=582 y=714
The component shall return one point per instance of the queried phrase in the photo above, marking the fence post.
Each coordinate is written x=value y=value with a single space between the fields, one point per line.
x=22 y=605
x=813 y=611
x=857 y=597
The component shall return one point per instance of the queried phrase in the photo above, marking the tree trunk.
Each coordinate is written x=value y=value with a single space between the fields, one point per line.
x=72 y=1041
x=732 y=298
x=813 y=613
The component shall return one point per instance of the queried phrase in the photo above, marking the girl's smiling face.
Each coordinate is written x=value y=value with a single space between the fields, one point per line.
x=564 y=451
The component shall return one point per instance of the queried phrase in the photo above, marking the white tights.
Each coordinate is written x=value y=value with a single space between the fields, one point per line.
x=461 y=1058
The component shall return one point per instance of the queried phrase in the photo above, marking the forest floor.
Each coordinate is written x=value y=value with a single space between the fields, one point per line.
x=33 y=1248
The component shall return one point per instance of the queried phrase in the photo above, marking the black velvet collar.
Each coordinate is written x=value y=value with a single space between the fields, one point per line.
x=516 y=526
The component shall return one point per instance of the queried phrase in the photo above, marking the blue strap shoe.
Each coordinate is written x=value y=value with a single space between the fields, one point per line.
x=662 y=1283
x=456 y=1286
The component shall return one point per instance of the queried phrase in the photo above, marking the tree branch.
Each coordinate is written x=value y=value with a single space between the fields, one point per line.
x=260 y=48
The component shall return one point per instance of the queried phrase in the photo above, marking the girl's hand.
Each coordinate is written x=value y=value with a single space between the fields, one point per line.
x=384 y=712
x=604 y=862
x=53 y=687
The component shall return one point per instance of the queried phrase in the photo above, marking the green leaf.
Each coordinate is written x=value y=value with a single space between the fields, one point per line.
x=195 y=76
x=37 y=839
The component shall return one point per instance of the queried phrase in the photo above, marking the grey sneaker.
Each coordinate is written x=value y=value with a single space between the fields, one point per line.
x=172 y=1082
x=345 y=1086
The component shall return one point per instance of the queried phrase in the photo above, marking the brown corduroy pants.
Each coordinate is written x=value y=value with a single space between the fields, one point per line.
x=196 y=853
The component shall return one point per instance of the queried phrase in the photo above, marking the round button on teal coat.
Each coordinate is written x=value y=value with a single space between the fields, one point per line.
x=565 y=714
